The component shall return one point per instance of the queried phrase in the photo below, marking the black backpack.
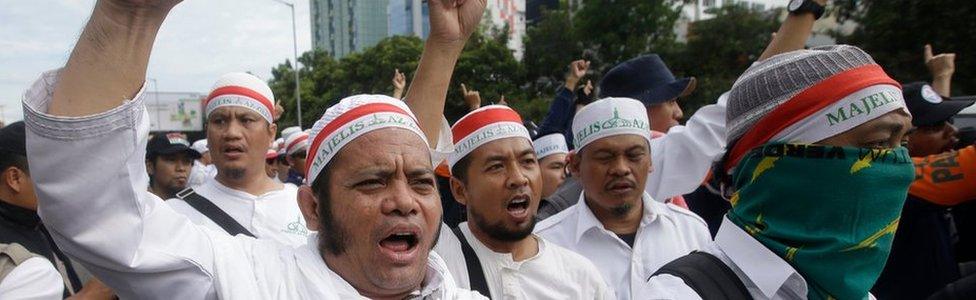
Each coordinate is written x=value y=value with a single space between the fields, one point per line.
x=706 y=275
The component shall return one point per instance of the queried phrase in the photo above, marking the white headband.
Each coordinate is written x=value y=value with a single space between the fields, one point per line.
x=853 y=110
x=241 y=90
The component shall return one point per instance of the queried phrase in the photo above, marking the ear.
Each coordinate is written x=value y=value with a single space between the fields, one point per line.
x=8 y=177
x=574 y=159
x=150 y=168
x=273 y=127
x=308 y=203
x=459 y=191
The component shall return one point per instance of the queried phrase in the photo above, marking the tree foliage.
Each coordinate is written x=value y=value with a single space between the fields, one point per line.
x=720 y=49
x=606 y=32
x=894 y=32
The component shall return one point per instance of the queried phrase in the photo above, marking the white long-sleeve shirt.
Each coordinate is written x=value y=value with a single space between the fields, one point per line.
x=665 y=233
x=273 y=215
x=681 y=158
x=553 y=273
x=91 y=185
x=33 y=279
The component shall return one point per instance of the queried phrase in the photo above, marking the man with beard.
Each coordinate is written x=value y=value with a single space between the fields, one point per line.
x=496 y=176
x=801 y=122
x=242 y=198
x=168 y=161
x=372 y=191
x=615 y=223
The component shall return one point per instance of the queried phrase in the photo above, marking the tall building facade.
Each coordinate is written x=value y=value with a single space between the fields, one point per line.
x=408 y=17
x=345 y=26
x=341 y=27
x=509 y=14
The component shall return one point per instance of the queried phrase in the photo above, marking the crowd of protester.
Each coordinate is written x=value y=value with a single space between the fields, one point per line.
x=815 y=176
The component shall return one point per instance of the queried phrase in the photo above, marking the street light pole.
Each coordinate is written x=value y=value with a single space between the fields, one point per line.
x=294 y=35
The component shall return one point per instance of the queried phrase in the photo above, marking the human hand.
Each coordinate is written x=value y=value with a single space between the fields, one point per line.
x=941 y=65
x=471 y=97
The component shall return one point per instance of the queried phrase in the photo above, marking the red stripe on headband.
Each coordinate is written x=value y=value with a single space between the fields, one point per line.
x=806 y=103
x=473 y=122
x=241 y=91
x=296 y=141
x=344 y=119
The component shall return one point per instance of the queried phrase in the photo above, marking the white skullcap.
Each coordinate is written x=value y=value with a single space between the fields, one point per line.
x=296 y=142
x=482 y=126
x=200 y=146
x=287 y=132
x=242 y=90
x=610 y=117
x=350 y=118
x=550 y=144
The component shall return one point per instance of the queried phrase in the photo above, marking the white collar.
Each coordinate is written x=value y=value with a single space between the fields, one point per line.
x=764 y=268
x=587 y=221
x=436 y=280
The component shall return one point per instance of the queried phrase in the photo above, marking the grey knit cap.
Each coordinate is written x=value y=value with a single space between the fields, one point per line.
x=769 y=83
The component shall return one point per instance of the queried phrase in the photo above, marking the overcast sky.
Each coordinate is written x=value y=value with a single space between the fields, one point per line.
x=200 y=40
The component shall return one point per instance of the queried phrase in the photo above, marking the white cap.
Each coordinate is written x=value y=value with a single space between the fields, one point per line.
x=287 y=132
x=200 y=146
x=550 y=144
x=351 y=118
x=242 y=90
x=482 y=126
x=610 y=117
x=296 y=142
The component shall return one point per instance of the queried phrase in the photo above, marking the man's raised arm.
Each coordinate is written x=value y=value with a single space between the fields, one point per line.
x=87 y=128
x=451 y=24
x=113 y=51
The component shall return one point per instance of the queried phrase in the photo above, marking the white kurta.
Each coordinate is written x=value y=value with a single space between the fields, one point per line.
x=91 y=185
x=665 y=232
x=763 y=273
x=553 y=273
x=682 y=158
x=34 y=278
x=274 y=215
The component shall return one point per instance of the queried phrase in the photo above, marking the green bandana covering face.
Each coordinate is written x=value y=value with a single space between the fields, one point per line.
x=830 y=212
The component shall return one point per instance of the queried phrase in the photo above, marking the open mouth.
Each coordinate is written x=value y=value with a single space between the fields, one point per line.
x=400 y=242
x=519 y=206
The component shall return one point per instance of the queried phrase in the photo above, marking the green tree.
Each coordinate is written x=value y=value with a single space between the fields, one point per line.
x=549 y=47
x=894 y=32
x=720 y=49
x=618 y=30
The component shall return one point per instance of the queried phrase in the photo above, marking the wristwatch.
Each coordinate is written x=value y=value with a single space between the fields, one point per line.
x=797 y=7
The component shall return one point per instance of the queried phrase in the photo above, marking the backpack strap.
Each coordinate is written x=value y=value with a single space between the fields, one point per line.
x=212 y=212
x=12 y=255
x=706 y=275
x=476 y=275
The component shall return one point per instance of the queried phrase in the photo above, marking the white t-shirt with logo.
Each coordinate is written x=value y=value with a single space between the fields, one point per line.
x=273 y=215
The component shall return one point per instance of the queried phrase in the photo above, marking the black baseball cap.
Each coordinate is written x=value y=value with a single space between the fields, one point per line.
x=169 y=143
x=928 y=107
x=13 y=139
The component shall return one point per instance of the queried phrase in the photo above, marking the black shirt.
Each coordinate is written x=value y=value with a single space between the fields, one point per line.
x=23 y=226
x=628 y=238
